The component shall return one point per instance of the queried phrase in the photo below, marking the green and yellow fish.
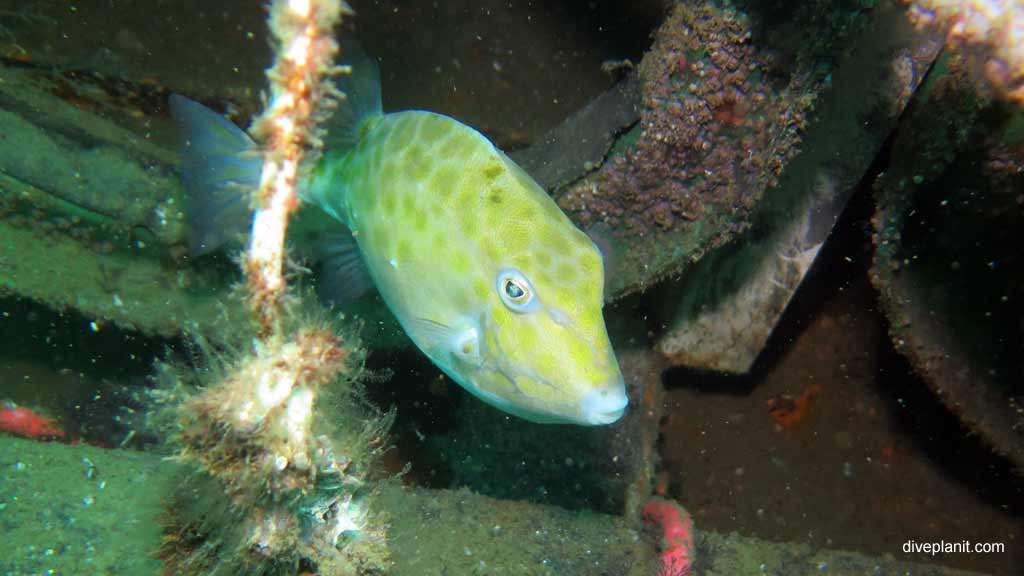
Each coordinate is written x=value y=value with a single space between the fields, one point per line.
x=481 y=268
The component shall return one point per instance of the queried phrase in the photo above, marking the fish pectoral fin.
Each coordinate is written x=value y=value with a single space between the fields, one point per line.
x=344 y=276
x=429 y=333
x=463 y=342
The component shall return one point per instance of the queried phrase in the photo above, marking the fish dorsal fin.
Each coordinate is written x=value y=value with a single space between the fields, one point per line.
x=344 y=276
x=362 y=96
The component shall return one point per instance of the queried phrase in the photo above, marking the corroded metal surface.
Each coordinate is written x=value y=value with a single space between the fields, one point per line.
x=90 y=214
x=57 y=140
x=947 y=262
x=137 y=293
x=580 y=144
x=731 y=300
x=714 y=134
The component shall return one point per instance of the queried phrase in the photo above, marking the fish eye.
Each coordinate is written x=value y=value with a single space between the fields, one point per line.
x=515 y=290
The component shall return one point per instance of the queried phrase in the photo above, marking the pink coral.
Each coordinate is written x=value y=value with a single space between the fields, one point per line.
x=678 y=535
x=27 y=423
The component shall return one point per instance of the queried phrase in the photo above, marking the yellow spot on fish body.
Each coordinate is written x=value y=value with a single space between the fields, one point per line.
x=388 y=203
x=415 y=163
x=432 y=130
x=522 y=260
x=401 y=135
x=549 y=236
x=460 y=262
x=492 y=170
x=452 y=147
x=547 y=361
x=481 y=290
x=444 y=181
x=589 y=262
x=419 y=221
x=566 y=273
x=543 y=258
x=491 y=248
x=462 y=298
x=409 y=208
x=439 y=240
x=468 y=222
x=403 y=252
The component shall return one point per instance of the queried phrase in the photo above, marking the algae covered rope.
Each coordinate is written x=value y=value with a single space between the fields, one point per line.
x=299 y=96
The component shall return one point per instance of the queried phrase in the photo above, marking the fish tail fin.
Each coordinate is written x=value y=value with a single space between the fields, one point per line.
x=362 y=101
x=220 y=168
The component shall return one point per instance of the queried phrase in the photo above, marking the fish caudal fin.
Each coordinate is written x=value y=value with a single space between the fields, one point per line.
x=220 y=168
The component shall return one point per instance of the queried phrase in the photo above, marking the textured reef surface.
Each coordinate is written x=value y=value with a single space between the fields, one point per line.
x=79 y=509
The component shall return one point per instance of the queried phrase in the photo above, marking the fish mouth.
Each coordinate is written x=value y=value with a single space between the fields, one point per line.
x=605 y=404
